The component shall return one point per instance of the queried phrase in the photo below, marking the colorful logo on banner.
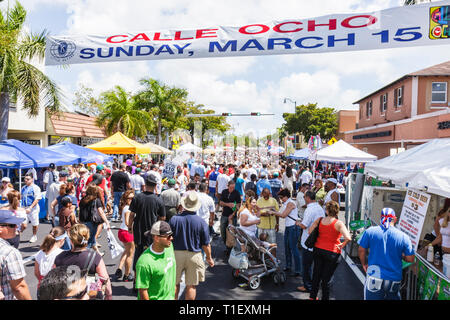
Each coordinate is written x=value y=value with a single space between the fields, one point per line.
x=439 y=22
x=63 y=51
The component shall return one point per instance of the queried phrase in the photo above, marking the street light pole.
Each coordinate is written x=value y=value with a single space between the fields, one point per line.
x=294 y=102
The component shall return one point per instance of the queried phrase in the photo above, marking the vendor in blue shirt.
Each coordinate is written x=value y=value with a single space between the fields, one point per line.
x=276 y=185
x=388 y=246
x=191 y=235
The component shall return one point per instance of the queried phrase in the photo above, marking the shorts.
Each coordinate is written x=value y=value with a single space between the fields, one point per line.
x=193 y=266
x=125 y=236
x=33 y=216
x=271 y=234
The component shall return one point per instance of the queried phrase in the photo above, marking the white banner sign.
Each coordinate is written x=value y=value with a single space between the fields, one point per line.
x=406 y=26
x=413 y=215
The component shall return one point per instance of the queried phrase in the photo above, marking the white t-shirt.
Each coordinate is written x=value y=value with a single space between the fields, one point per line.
x=328 y=197
x=137 y=182
x=288 y=182
x=222 y=182
x=123 y=226
x=251 y=230
x=207 y=206
x=313 y=212
x=46 y=261
x=445 y=234
x=293 y=215
x=300 y=201
x=306 y=177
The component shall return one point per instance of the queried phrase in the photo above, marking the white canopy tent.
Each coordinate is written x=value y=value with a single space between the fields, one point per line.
x=189 y=147
x=341 y=151
x=426 y=166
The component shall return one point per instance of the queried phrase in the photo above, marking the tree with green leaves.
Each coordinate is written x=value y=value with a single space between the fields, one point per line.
x=85 y=101
x=119 y=111
x=19 y=79
x=163 y=103
x=311 y=120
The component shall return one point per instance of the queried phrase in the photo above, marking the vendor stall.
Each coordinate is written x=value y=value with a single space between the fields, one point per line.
x=416 y=184
x=157 y=149
x=118 y=143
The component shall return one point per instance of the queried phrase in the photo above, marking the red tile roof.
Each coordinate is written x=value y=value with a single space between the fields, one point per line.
x=76 y=125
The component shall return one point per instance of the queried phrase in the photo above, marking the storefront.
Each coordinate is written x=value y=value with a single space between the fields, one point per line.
x=73 y=127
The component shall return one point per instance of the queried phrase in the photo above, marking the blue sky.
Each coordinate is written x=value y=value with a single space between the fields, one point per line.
x=238 y=84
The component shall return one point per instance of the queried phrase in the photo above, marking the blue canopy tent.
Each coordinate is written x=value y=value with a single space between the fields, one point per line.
x=301 y=154
x=19 y=155
x=84 y=155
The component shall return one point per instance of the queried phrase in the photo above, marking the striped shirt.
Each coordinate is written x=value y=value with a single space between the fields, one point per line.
x=11 y=268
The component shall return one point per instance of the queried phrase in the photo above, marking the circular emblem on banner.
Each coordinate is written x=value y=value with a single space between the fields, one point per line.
x=62 y=50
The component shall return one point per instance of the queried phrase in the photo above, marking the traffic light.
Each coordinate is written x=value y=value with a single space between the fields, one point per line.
x=255 y=113
x=226 y=114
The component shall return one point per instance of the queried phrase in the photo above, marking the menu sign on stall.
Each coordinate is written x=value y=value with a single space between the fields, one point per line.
x=413 y=214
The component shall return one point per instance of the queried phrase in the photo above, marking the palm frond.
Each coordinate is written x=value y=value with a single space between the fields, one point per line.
x=32 y=46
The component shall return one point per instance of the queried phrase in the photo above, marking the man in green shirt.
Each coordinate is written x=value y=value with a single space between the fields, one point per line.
x=156 y=268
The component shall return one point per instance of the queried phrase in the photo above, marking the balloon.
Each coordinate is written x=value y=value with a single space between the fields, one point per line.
x=98 y=160
x=129 y=162
x=133 y=169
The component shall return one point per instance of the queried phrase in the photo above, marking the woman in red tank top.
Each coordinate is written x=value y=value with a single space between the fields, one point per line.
x=327 y=249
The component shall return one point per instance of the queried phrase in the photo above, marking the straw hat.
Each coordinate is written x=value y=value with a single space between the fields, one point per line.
x=191 y=202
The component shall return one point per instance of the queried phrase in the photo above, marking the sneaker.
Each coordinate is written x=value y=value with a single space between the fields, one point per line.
x=128 y=278
x=33 y=239
x=118 y=274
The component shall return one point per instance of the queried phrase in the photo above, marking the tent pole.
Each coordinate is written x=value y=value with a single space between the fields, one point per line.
x=20 y=179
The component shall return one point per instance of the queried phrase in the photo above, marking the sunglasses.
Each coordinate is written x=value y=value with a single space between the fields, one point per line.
x=79 y=295
x=9 y=225
x=167 y=237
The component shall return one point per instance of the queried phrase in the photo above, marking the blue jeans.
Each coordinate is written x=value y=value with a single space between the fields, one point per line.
x=308 y=258
x=380 y=289
x=92 y=231
x=291 y=235
x=117 y=196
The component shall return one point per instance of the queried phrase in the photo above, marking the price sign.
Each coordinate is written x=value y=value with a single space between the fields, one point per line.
x=413 y=214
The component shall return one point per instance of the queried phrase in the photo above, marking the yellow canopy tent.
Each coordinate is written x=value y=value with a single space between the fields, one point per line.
x=118 y=143
x=157 y=149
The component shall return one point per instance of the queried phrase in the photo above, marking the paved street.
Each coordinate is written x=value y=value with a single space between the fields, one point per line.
x=219 y=284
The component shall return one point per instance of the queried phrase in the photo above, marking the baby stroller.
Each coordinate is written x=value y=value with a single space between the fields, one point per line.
x=255 y=261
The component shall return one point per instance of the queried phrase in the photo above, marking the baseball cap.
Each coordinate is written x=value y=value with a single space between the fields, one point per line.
x=8 y=216
x=159 y=228
x=171 y=182
x=97 y=178
x=333 y=180
x=6 y=179
x=51 y=166
x=100 y=167
x=275 y=174
x=64 y=174
x=83 y=170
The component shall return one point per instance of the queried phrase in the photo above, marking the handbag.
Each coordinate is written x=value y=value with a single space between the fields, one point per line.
x=312 y=238
x=96 y=284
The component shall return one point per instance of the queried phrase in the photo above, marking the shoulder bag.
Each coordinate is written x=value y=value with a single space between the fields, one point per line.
x=96 y=218
x=312 y=238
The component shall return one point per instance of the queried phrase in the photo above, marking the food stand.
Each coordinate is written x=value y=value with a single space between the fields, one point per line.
x=416 y=184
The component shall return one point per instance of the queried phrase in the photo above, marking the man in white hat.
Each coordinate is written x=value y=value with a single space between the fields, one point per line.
x=332 y=192
x=191 y=235
x=12 y=272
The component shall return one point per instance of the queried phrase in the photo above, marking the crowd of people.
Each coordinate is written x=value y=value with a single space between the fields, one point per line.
x=166 y=224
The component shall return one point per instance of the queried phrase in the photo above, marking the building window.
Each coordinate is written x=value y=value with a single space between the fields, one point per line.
x=439 y=92
x=383 y=103
x=369 y=109
x=398 y=97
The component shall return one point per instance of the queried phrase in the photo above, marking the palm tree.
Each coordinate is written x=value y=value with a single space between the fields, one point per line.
x=120 y=112
x=18 y=78
x=165 y=104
